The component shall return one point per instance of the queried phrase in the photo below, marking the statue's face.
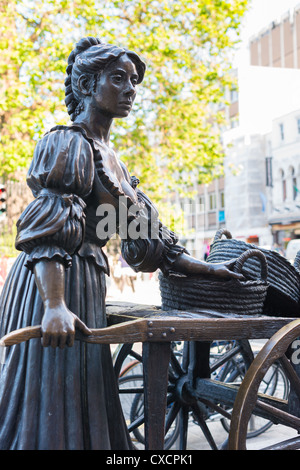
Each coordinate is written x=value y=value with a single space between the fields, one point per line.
x=116 y=88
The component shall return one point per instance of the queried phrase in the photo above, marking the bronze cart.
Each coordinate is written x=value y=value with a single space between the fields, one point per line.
x=157 y=329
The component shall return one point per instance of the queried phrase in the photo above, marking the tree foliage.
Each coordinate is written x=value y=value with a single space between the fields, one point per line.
x=174 y=130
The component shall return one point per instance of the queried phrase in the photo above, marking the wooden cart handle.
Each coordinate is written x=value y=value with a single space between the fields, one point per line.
x=23 y=334
x=168 y=329
x=130 y=331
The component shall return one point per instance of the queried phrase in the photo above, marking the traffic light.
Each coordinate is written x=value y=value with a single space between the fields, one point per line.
x=3 y=197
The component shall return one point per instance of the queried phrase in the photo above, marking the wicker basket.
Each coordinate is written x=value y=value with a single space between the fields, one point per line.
x=297 y=262
x=283 y=278
x=227 y=296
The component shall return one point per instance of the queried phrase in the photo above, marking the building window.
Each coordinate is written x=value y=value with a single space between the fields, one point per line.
x=284 y=190
x=201 y=205
x=269 y=172
x=295 y=189
x=234 y=96
x=283 y=185
x=234 y=122
x=281 y=129
x=212 y=202
x=294 y=184
x=222 y=200
x=189 y=207
x=283 y=180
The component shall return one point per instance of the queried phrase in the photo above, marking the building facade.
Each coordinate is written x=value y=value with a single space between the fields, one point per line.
x=204 y=215
x=284 y=216
x=263 y=157
x=260 y=191
x=278 y=45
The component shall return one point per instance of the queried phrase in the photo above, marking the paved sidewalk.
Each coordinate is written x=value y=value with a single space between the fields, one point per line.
x=275 y=434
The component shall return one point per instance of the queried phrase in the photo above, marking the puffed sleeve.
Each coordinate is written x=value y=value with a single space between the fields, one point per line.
x=154 y=246
x=60 y=177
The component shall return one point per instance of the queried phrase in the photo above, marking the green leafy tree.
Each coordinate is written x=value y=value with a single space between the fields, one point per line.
x=36 y=37
x=173 y=134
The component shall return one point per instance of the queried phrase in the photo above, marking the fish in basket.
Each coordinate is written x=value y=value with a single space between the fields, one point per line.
x=283 y=298
x=227 y=296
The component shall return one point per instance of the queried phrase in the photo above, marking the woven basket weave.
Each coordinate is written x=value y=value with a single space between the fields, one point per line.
x=229 y=296
x=283 y=278
x=297 y=262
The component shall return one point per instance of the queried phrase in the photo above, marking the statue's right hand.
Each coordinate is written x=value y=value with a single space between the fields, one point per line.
x=58 y=327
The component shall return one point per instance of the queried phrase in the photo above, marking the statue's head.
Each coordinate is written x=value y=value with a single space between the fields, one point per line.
x=86 y=62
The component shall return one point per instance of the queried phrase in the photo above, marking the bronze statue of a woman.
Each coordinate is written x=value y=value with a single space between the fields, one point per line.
x=66 y=397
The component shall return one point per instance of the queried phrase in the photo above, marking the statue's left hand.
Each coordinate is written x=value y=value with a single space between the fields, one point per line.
x=225 y=270
x=188 y=265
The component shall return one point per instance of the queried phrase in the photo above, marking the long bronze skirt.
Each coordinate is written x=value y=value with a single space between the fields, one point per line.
x=53 y=399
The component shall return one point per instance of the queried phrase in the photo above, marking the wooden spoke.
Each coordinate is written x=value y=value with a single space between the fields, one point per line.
x=184 y=418
x=204 y=428
x=176 y=370
x=172 y=415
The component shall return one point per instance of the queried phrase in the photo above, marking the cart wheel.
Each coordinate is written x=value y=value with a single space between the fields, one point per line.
x=187 y=361
x=249 y=400
x=274 y=383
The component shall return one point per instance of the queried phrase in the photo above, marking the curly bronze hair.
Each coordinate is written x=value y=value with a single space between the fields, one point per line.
x=89 y=57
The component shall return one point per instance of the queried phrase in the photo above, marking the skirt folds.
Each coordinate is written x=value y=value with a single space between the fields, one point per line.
x=53 y=399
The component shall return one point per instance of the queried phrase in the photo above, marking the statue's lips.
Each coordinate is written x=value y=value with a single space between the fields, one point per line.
x=125 y=104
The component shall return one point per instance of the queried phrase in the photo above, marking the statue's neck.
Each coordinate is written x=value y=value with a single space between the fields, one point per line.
x=97 y=124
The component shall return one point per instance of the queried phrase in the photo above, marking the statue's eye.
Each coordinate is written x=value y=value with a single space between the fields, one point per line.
x=117 y=78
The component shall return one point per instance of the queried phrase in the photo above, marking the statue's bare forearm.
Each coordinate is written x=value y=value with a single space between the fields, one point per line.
x=58 y=323
x=50 y=280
